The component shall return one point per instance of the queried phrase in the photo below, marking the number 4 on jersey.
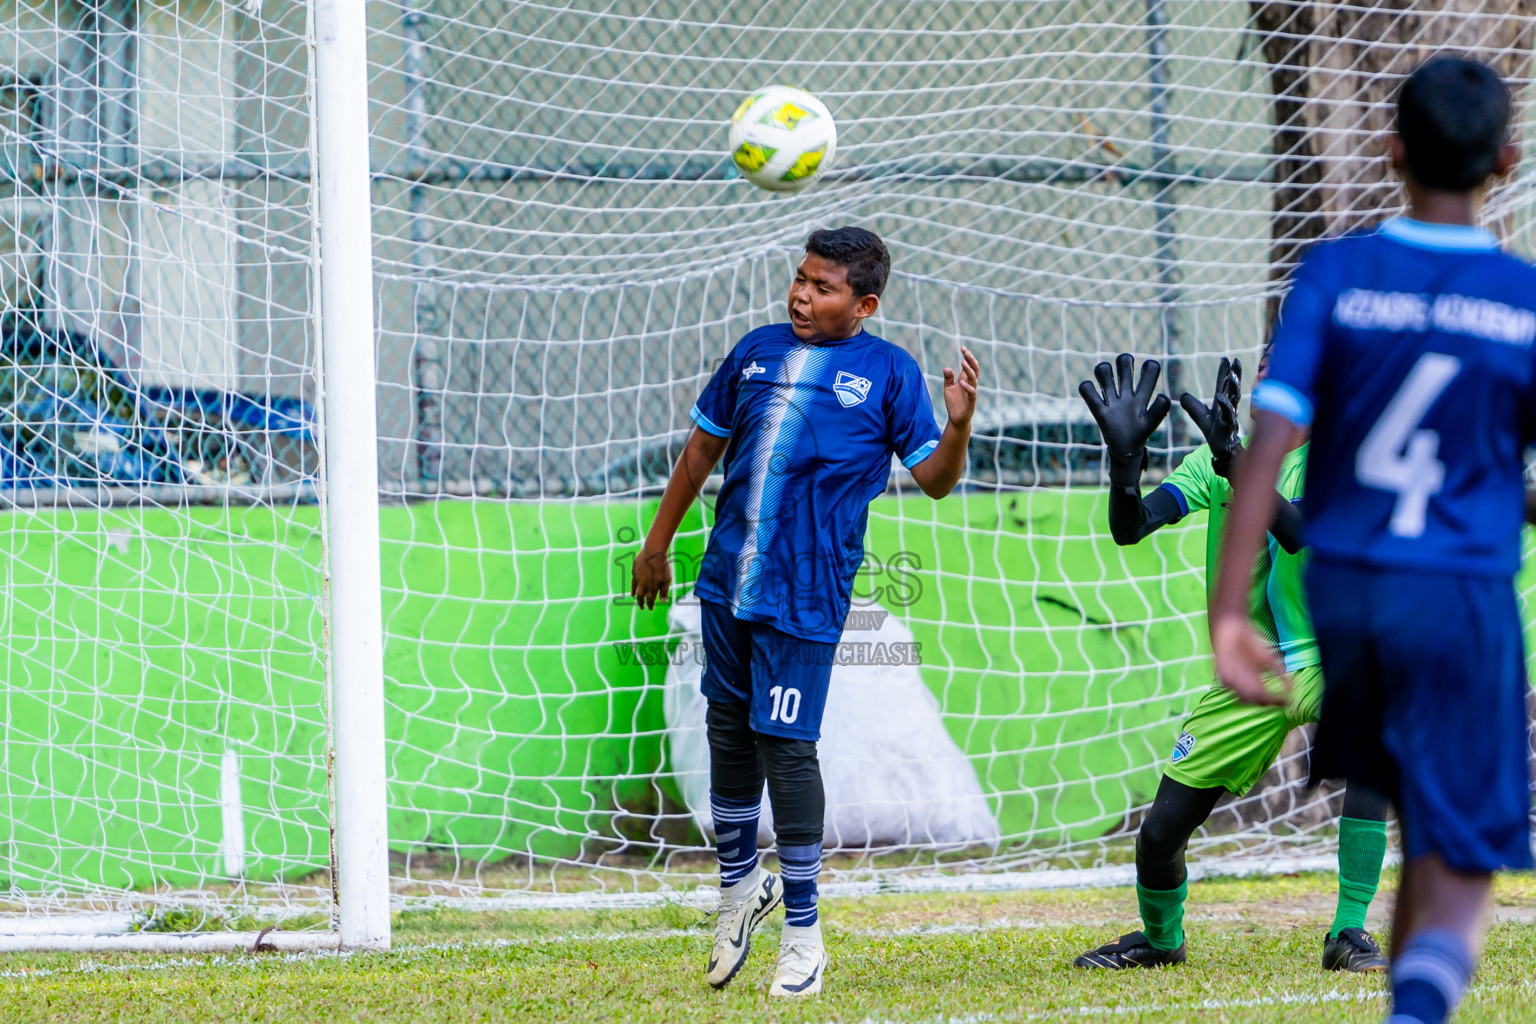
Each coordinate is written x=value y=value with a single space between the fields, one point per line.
x=1397 y=456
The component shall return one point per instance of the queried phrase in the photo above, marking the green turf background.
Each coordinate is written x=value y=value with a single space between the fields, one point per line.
x=139 y=645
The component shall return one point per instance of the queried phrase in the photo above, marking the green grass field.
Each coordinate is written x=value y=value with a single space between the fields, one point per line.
x=951 y=958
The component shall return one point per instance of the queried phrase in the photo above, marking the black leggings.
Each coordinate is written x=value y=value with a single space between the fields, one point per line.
x=740 y=759
x=1176 y=812
x=1179 y=809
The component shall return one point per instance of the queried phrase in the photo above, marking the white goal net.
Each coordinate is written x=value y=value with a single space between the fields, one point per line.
x=562 y=252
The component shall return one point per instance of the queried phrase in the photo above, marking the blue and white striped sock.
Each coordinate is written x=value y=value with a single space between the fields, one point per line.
x=799 y=867
x=1429 y=977
x=735 y=836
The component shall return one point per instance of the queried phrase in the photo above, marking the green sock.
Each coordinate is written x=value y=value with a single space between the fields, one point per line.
x=1362 y=845
x=1162 y=915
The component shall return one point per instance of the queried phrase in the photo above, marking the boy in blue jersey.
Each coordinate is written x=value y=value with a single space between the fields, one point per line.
x=807 y=415
x=1408 y=348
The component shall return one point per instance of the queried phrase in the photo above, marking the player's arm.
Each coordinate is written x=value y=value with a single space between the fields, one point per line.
x=1284 y=402
x=1217 y=423
x=1285 y=525
x=1241 y=656
x=939 y=472
x=1127 y=417
x=652 y=573
x=712 y=414
x=1133 y=517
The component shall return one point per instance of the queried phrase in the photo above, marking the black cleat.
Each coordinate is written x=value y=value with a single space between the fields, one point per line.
x=1353 y=949
x=1131 y=950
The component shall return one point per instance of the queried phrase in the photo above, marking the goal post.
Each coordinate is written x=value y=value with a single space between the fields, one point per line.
x=351 y=493
x=195 y=738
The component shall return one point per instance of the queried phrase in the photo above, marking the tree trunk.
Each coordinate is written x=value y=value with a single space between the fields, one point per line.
x=1335 y=66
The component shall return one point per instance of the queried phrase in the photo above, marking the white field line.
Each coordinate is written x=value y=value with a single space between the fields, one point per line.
x=1257 y=1002
x=236 y=960
x=93 y=967
x=1137 y=1009
x=302 y=945
x=399 y=952
x=1001 y=924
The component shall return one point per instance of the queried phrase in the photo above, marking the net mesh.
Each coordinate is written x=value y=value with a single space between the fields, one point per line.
x=562 y=254
x=165 y=733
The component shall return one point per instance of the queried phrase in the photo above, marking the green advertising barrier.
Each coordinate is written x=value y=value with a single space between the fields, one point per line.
x=141 y=646
x=1063 y=663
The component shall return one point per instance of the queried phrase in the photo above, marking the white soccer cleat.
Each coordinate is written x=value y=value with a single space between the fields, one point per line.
x=749 y=902
x=802 y=962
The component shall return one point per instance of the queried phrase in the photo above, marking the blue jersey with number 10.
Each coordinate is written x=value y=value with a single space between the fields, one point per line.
x=1409 y=350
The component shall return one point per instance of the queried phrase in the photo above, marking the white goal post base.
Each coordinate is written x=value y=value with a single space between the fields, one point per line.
x=171 y=942
x=704 y=897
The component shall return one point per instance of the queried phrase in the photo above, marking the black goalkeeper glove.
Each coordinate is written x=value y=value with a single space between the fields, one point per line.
x=1218 y=421
x=1126 y=416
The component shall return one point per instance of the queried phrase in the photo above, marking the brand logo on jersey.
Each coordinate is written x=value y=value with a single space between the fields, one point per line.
x=752 y=370
x=1182 y=747
x=850 y=390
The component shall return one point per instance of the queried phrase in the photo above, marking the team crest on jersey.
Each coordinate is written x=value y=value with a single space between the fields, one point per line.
x=850 y=389
x=752 y=370
x=1182 y=747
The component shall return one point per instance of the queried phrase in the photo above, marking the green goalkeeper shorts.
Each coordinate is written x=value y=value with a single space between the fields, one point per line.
x=1230 y=744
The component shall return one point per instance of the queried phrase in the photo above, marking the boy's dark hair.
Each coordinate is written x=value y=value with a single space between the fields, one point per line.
x=860 y=252
x=1453 y=116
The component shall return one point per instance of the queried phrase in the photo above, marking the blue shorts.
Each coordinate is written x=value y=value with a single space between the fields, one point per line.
x=1424 y=698
x=782 y=677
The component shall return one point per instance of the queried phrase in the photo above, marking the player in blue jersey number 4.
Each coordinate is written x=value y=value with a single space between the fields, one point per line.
x=1225 y=745
x=1408 y=349
x=807 y=415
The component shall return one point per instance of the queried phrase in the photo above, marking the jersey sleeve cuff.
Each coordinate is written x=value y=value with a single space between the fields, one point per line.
x=1178 y=496
x=708 y=425
x=1283 y=400
x=919 y=455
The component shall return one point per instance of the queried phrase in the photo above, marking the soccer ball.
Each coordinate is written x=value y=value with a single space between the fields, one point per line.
x=782 y=139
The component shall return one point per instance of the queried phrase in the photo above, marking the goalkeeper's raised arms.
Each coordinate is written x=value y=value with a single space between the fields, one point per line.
x=1127 y=418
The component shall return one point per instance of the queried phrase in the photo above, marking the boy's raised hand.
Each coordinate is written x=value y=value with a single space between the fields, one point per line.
x=960 y=391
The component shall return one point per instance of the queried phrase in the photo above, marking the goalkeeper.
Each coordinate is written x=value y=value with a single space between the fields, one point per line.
x=1225 y=745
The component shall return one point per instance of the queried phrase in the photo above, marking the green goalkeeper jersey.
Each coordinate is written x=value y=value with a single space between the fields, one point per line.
x=1279 y=605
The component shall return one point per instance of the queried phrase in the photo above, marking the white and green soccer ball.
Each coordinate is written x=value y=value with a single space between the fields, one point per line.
x=782 y=139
